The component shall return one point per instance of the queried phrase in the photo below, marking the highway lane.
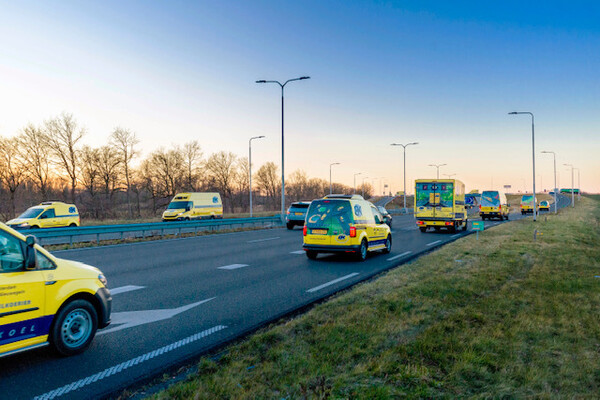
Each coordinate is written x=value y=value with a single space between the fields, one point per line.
x=177 y=298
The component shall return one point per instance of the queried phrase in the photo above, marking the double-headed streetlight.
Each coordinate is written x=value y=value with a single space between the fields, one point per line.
x=282 y=85
x=404 y=146
x=532 y=153
x=572 y=185
x=554 y=189
x=330 y=185
x=250 y=167
x=438 y=168
x=449 y=175
x=355 y=175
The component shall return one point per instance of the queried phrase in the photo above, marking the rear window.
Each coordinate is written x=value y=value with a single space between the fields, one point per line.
x=527 y=199
x=330 y=214
x=425 y=190
x=490 y=199
x=299 y=206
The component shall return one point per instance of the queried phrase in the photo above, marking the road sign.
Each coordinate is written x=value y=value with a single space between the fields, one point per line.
x=507 y=186
x=478 y=225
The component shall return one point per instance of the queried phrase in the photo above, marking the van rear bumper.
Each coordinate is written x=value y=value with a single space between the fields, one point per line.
x=331 y=249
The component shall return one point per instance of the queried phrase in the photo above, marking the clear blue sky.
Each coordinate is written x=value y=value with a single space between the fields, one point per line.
x=440 y=73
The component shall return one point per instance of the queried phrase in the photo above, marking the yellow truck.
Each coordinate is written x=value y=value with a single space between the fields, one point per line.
x=49 y=214
x=440 y=203
x=189 y=206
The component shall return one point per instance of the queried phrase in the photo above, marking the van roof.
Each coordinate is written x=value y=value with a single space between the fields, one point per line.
x=53 y=203
x=344 y=196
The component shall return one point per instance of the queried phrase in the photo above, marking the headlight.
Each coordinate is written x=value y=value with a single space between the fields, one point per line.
x=102 y=279
x=24 y=225
x=179 y=214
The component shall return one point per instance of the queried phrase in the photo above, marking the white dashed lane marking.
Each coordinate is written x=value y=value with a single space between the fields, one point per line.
x=434 y=243
x=297 y=252
x=333 y=282
x=125 y=289
x=233 y=266
x=399 y=256
x=262 y=240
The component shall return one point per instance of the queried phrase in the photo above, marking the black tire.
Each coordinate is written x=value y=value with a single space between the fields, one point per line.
x=388 y=245
x=34 y=227
x=423 y=229
x=74 y=328
x=311 y=254
x=72 y=225
x=361 y=254
x=290 y=226
x=186 y=219
x=466 y=225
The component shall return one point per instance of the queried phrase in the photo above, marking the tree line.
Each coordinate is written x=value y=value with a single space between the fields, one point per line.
x=49 y=162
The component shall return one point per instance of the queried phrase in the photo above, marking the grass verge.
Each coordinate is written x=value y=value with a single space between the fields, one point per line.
x=501 y=317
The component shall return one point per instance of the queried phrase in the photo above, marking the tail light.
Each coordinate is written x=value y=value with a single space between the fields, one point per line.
x=420 y=222
x=305 y=230
x=352 y=231
x=449 y=223
x=480 y=207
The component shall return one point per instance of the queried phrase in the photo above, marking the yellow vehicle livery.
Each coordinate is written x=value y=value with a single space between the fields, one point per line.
x=440 y=203
x=49 y=214
x=527 y=204
x=544 y=205
x=345 y=224
x=493 y=205
x=189 y=206
x=46 y=300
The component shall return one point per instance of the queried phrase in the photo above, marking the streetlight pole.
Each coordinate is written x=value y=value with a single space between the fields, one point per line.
x=354 y=192
x=438 y=168
x=250 y=167
x=330 y=185
x=363 y=186
x=572 y=186
x=555 y=188
x=532 y=155
x=282 y=85
x=404 y=146
x=578 y=185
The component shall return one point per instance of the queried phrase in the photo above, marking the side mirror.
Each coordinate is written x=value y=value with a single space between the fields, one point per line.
x=30 y=253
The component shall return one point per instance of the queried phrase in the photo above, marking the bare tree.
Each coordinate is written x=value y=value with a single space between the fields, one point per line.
x=108 y=163
x=90 y=175
x=192 y=156
x=36 y=156
x=124 y=141
x=62 y=135
x=12 y=167
x=241 y=182
x=221 y=167
x=267 y=180
x=167 y=167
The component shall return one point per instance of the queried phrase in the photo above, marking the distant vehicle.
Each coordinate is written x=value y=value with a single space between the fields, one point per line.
x=575 y=191
x=345 y=224
x=47 y=300
x=49 y=214
x=190 y=206
x=400 y=193
x=493 y=204
x=527 y=204
x=440 y=203
x=386 y=215
x=544 y=205
x=296 y=214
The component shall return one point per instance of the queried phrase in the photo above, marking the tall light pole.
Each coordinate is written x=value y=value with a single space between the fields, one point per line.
x=250 y=167
x=404 y=146
x=555 y=188
x=532 y=155
x=363 y=186
x=358 y=173
x=282 y=85
x=578 y=185
x=572 y=185
x=330 y=165
x=438 y=168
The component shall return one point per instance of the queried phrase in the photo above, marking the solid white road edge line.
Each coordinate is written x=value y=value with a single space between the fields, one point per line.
x=432 y=243
x=399 y=255
x=128 y=364
x=233 y=266
x=263 y=240
x=331 y=282
x=458 y=234
x=125 y=289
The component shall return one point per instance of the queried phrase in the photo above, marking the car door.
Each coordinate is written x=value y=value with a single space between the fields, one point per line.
x=379 y=228
x=48 y=218
x=22 y=298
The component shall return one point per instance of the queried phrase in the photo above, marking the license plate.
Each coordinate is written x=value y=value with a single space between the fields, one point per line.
x=319 y=231
x=297 y=213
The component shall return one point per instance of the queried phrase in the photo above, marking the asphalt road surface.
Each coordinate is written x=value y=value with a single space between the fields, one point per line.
x=175 y=299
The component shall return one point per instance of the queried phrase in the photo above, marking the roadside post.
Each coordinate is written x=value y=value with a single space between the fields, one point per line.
x=478 y=226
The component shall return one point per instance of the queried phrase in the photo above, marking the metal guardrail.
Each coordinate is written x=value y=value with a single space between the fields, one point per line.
x=94 y=233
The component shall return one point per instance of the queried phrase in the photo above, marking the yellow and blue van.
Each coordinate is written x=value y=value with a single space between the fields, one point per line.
x=46 y=300
x=49 y=214
x=527 y=204
x=440 y=203
x=345 y=224
x=189 y=206
x=493 y=204
x=544 y=205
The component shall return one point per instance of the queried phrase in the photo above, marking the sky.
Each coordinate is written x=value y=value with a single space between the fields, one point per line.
x=443 y=74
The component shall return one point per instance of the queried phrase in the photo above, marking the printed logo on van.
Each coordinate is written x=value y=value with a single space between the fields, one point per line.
x=215 y=199
x=72 y=210
x=358 y=210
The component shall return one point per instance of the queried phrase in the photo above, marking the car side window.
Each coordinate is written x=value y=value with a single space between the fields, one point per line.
x=377 y=215
x=11 y=253
x=49 y=213
x=44 y=262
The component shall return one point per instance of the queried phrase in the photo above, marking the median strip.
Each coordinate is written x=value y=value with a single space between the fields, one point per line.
x=333 y=282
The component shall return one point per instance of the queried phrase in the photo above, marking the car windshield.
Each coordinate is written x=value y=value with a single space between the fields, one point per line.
x=425 y=194
x=334 y=215
x=179 y=205
x=490 y=199
x=382 y=210
x=32 y=212
x=527 y=199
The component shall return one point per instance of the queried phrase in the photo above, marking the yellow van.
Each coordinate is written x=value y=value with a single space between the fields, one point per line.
x=440 y=203
x=49 y=214
x=493 y=205
x=46 y=300
x=189 y=206
x=527 y=204
x=345 y=224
